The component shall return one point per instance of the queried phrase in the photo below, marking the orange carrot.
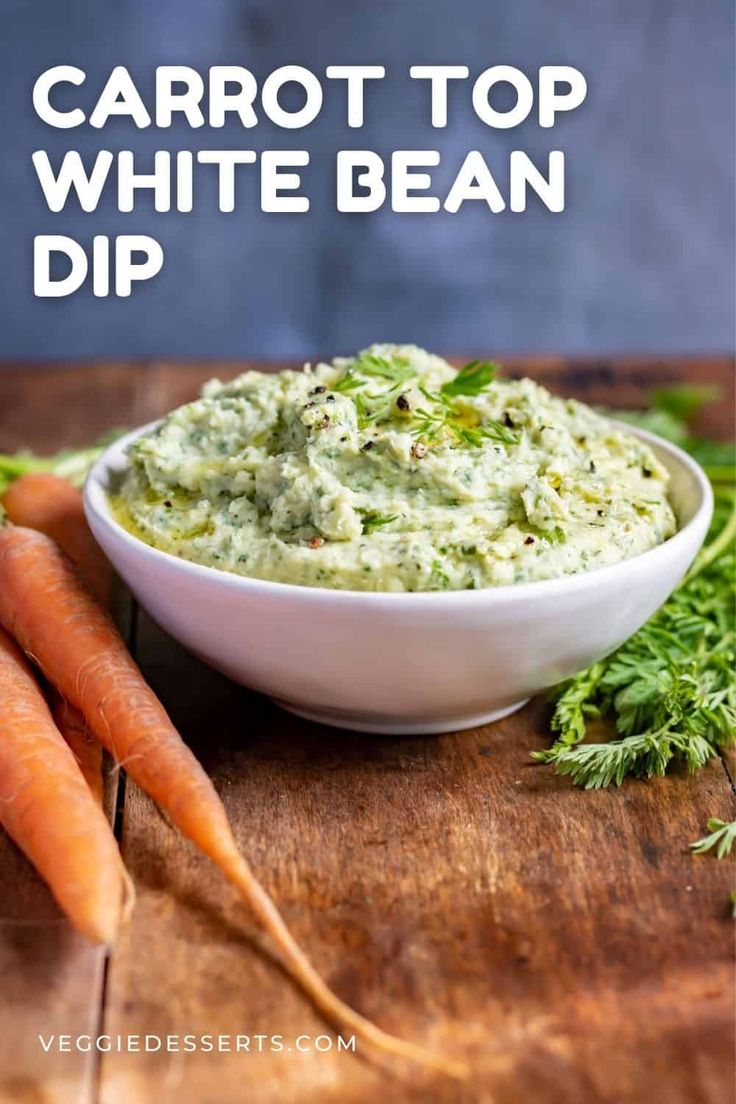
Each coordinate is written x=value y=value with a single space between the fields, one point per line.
x=85 y=748
x=55 y=619
x=46 y=807
x=40 y=500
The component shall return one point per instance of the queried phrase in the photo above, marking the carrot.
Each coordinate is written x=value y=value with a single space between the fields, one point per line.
x=84 y=747
x=46 y=807
x=54 y=618
x=40 y=500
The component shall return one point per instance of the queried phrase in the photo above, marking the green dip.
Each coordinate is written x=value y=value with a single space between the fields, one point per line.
x=391 y=471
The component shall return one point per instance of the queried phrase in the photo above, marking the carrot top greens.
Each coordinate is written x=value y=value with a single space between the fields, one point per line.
x=721 y=838
x=472 y=379
x=71 y=463
x=719 y=841
x=377 y=384
x=670 y=687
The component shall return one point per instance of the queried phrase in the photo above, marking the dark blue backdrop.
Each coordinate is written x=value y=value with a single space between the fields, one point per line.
x=642 y=259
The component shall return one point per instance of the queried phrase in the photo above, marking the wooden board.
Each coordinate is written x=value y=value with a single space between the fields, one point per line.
x=566 y=943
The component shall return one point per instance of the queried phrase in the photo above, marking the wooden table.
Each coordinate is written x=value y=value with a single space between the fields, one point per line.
x=565 y=942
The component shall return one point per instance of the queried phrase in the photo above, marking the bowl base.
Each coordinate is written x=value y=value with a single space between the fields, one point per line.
x=357 y=722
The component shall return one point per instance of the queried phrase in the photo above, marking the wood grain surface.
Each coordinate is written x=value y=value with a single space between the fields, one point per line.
x=566 y=943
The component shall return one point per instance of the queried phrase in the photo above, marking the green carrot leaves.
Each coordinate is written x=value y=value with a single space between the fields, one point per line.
x=379 y=387
x=721 y=838
x=472 y=379
x=670 y=688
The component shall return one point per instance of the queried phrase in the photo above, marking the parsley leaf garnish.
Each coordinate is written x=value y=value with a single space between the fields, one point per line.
x=377 y=385
x=445 y=418
x=472 y=379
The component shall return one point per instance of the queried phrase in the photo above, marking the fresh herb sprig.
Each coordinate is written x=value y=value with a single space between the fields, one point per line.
x=377 y=384
x=367 y=368
x=442 y=420
x=445 y=419
x=391 y=374
x=721 y=838
x=372 y=520
x=72 y=464
x=670 y=688
x=472 y=379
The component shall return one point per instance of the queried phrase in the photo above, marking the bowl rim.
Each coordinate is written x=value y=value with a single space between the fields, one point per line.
x=97 y=509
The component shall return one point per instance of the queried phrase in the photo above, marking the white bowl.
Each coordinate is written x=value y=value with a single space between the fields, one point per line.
x=402 y=663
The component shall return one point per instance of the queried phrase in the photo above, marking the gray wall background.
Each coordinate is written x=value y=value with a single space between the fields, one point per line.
x=641 y=260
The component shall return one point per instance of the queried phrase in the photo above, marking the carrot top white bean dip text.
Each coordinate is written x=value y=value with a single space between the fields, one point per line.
x=393 y=471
